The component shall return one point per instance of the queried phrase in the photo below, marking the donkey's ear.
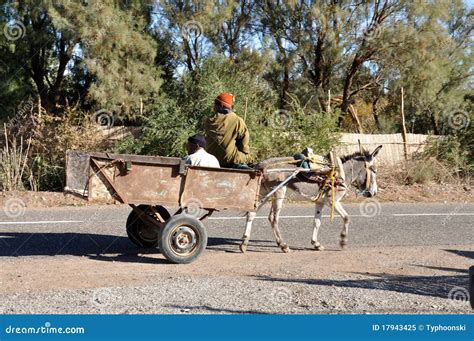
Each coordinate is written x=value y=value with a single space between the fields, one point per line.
x=376 y=151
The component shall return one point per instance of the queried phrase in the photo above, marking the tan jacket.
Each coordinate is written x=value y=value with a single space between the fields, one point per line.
x=228 y=139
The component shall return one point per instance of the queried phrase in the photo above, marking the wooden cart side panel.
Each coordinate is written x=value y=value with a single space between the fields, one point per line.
x=78 y=167
x=221 y=188
x=144 y=184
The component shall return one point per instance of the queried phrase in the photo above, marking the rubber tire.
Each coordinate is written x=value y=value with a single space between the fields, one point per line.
x=134 y=224
x=179 y=220
x=471 y=285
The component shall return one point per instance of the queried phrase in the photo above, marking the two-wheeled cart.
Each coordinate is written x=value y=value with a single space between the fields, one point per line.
x=150 y=184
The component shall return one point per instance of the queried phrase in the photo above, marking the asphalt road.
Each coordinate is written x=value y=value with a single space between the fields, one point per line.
x=101 y=229
x=402 y=258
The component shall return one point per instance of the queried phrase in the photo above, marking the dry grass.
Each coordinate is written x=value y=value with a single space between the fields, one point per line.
x=422 y=171
x=13 y=163
x=41 y=165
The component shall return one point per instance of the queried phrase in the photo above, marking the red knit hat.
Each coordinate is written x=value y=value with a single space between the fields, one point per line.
x=226 y=99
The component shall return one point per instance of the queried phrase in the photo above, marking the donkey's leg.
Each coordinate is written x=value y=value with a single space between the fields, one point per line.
x=317 y=224
x=345 y=217
x=274 y=216
x=248 y=229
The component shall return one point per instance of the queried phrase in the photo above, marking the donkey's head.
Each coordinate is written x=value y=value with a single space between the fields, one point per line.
x=361 y=170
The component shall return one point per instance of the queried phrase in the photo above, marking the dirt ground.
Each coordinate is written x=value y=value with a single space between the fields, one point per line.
x=394 y=280
x=433 y=192
x=83 y=272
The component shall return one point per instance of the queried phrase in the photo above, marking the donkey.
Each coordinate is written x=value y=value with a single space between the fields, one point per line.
x=357 y=170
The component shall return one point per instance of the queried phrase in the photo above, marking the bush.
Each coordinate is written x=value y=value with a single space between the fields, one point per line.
x=51 y=136
x=428 y=170
x=453 y=151
x=446 y=159
x=273 y=132
x=163 y=133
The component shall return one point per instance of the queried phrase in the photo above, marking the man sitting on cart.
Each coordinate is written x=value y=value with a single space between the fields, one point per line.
x=227 y=134
x=197 y=155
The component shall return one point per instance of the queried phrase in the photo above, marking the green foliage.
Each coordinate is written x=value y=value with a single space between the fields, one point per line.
x=289 y=131
x=117 y=53
x=160 y=65
x=273 y=132
x=184 y=114
x=453 y=151
x=428 y=170
x=164 y=132
x=95 y=53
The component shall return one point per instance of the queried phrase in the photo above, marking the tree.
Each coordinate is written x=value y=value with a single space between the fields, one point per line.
x=117 y=52
x=96 y=52
x=37 y=51
x=230 y=28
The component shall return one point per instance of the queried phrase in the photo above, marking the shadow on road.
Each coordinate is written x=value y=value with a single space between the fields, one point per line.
x=131 y=258
x=83 y=244
x=467 y=254
x=441 y=268
x=436 y=286
x=232 y=245
x=50 y=244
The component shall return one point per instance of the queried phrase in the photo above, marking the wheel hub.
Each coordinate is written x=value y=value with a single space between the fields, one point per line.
x=184 y=239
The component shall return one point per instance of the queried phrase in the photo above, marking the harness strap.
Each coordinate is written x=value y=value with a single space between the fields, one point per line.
x=329 y=179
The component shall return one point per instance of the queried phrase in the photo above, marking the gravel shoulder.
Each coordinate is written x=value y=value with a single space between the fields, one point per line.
x=359 y=280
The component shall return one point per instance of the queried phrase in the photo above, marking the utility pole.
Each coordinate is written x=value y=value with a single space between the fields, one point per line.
x=404 y=129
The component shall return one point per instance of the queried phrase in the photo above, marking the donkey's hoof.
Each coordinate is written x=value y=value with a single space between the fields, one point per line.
x=243 y=248
x=285 y=248
x=319 y=247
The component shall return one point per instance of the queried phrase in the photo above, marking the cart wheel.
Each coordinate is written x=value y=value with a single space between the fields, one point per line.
x=141 y=233
x=183 y=239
